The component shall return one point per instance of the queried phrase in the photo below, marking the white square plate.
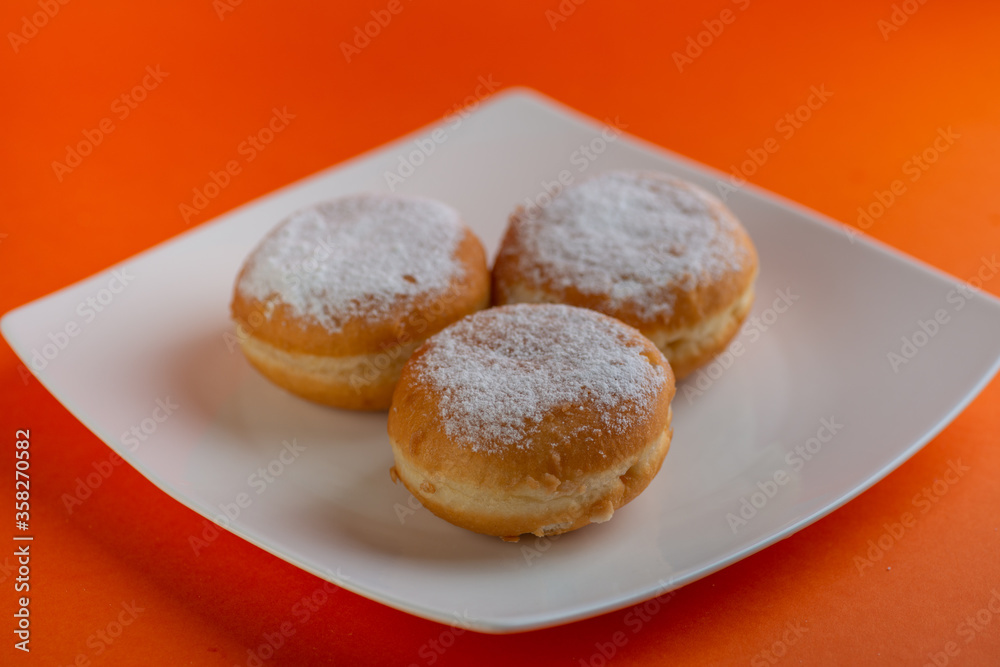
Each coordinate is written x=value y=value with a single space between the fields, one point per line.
x=812 y=400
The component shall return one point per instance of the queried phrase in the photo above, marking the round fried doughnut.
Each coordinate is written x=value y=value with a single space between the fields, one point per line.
x=333 y=301
x=531 y=419
x=652 y=250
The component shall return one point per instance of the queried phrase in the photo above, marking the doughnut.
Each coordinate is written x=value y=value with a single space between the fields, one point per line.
x=531 y=418
x=334 y=299
x=656 y=252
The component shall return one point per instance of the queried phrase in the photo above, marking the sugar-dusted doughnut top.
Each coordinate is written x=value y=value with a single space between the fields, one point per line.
x=565 y=386
x=355 y=257
x=642 y=246
x=362 y=274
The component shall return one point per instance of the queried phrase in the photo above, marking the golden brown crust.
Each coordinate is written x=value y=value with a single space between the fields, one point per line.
x=357 y=366
x=521 y=277
x=570 y=471
x=689 y=350
x=359 y=382
x=405 y=322
x=540 y=509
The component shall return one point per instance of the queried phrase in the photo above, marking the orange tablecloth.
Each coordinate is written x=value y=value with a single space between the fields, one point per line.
x=167 y=94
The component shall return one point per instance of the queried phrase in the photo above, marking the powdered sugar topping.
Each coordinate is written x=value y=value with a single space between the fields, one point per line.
x=355 y=257
x=501 y=371
x=630 y=235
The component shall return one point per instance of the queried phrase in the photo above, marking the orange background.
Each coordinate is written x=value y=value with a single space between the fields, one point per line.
x=128 y=542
